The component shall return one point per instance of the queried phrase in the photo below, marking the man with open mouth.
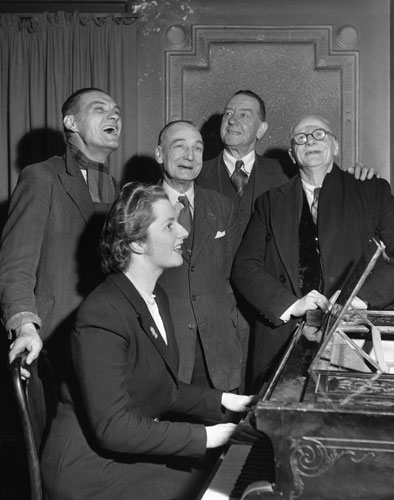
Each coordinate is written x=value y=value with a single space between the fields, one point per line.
x=48 y=249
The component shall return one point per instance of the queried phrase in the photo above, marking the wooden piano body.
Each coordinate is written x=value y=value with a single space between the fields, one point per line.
x=332 y=426
x=328 y=410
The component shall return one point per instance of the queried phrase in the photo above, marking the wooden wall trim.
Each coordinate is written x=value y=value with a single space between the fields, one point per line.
x=192 y=51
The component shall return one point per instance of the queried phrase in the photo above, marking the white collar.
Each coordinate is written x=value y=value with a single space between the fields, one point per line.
x=248 y=160
x=173 y=195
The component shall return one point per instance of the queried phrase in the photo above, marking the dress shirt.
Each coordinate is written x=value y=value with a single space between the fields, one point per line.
x=173 y=197
x=248 y=160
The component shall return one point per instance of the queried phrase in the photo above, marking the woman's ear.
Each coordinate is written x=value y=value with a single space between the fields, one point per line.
x=137 y=247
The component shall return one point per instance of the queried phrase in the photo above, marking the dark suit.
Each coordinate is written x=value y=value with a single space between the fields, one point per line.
x=110 y=439
x=200 y=294
x=49 y=245
x=266 y=173
x=266 y=267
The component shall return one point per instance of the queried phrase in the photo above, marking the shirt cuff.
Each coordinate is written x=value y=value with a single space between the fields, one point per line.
x=285 y=317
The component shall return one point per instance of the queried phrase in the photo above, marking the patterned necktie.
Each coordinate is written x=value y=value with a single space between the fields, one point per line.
x=185 y=215
x=314 y=205
x=239 y=178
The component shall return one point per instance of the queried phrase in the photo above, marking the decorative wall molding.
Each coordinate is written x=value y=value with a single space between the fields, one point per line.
x=195 y=54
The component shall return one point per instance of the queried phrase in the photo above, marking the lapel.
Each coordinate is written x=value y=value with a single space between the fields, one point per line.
x=75 y=186
x=204 y=220
x=286 y=205
x=147 y=323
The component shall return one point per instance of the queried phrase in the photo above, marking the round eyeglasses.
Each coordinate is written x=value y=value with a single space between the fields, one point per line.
x=318 y=134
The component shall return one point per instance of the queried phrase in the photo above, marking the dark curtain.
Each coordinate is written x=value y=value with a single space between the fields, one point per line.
x=43 y=59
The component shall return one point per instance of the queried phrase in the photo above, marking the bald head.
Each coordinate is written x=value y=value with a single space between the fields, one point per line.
x=319 y=121
x=313 y=145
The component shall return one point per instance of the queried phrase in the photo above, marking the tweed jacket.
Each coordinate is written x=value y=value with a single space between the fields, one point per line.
x=48 y=254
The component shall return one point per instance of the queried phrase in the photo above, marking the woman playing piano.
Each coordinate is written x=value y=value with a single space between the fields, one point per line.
x=121 y=429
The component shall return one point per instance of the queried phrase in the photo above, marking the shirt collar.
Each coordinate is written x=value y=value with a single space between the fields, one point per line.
x=309 y=189
x=248 y=160
x=173 y=196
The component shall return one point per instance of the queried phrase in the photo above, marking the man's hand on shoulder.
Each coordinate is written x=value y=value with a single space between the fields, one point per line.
x=27 y=340
x=362 y=172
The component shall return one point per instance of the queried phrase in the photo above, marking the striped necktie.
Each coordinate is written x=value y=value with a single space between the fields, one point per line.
x=239 y=178
x=185 y=215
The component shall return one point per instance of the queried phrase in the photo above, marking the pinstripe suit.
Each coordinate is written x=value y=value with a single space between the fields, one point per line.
x=266 y=173
x=200 y=294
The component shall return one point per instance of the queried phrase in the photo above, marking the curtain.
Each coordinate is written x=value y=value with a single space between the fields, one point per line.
x=43 y=59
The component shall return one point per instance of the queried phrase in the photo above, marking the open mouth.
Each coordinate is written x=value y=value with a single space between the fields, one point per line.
x=178 y=248
x=313 y=152
x=110 y=129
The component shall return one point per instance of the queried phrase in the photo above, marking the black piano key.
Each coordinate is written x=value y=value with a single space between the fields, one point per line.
x=258 y=466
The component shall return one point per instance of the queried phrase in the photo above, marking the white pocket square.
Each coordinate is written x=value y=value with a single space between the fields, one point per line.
x=220 y=234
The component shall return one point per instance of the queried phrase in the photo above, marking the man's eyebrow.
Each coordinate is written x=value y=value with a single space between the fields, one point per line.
x=241 y=109
x=101 y=103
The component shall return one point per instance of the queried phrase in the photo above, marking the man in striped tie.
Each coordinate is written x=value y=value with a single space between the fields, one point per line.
x=201 y=298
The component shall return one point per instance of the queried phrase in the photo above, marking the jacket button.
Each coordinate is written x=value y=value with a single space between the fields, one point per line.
x=194 y=297
x=191 y=326
x=192 y=269
x=282 y=278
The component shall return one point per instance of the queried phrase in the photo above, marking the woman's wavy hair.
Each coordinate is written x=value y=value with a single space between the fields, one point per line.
x=128 y=220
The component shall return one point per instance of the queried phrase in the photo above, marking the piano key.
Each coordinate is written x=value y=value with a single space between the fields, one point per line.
x=242 y=465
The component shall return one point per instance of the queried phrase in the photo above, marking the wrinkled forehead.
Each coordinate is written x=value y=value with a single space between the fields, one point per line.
x=182 y=131
x=93 y=97
x=310 y=123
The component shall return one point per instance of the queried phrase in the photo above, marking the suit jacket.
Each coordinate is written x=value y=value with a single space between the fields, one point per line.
x=48 y=252
x=111 y=437
x=266 y=173
x=266 y=267
x=200 y=294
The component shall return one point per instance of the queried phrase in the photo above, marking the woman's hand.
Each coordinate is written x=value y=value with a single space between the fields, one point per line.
x=218 y=435
x=235 y=402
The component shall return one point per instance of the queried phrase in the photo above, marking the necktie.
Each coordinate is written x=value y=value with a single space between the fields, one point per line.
x=314 y=205
x=185 y=215
x=239 y=178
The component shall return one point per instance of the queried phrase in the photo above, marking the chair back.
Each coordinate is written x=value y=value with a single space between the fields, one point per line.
x=32 y=410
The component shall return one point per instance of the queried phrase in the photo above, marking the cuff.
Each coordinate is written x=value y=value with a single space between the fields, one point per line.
x=19 y=319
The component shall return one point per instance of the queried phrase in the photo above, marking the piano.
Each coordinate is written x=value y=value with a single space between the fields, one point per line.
x=327 y=415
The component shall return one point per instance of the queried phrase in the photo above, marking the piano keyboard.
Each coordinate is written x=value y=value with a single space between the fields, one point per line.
x=242 y=465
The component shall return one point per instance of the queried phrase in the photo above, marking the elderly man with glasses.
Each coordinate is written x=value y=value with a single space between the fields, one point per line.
x=304 y=239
